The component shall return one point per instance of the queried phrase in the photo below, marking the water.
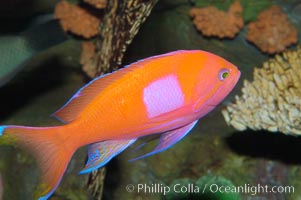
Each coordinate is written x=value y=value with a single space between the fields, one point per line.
x=213 y=153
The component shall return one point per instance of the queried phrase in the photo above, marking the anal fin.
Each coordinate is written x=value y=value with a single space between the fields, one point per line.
x=169 y=138
x=102 y=152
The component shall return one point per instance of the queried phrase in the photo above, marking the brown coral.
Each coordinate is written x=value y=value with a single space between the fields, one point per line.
x=272 y=32
x=76 y=19
x=87 y=58
x=88 y=52
x=213 y=22
x=97 y=3
x=272 y=100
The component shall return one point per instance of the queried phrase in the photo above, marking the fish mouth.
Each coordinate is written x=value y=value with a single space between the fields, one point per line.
x=235 y=80
x=231 y=85
x=238 y=72
x=236 y=77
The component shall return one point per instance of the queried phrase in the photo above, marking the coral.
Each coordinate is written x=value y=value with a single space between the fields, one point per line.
x=121 y=22
x=250 y=8
x=213 y=22
x=272 y=32
x=88 y=51
x=76 y=19
x=87 y=58
x=272 y=100
x=97 y=3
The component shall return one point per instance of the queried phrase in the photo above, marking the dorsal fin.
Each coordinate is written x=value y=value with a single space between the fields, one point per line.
x=87 y=93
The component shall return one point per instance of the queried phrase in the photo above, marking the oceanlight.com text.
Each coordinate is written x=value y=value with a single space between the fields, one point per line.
x=212 y=188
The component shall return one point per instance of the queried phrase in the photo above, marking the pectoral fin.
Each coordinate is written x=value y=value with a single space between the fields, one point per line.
x=169 y=138
x=102 y=152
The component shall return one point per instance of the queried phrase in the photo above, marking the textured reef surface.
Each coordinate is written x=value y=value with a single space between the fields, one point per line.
x=213 y=153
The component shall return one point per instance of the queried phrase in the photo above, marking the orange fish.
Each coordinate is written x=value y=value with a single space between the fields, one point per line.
x=162 y=94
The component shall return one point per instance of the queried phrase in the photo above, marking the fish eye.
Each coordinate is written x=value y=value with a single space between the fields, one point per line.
x=223 y=74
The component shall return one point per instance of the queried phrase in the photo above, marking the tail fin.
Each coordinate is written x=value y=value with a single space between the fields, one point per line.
x=48 y=147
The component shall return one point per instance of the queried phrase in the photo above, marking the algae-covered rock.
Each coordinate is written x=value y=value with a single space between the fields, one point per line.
x=217 y=188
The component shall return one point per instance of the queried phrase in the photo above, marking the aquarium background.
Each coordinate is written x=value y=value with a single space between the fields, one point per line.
x=213 y=152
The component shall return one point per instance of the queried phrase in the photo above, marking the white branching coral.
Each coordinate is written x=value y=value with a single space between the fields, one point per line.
x=272 y=101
